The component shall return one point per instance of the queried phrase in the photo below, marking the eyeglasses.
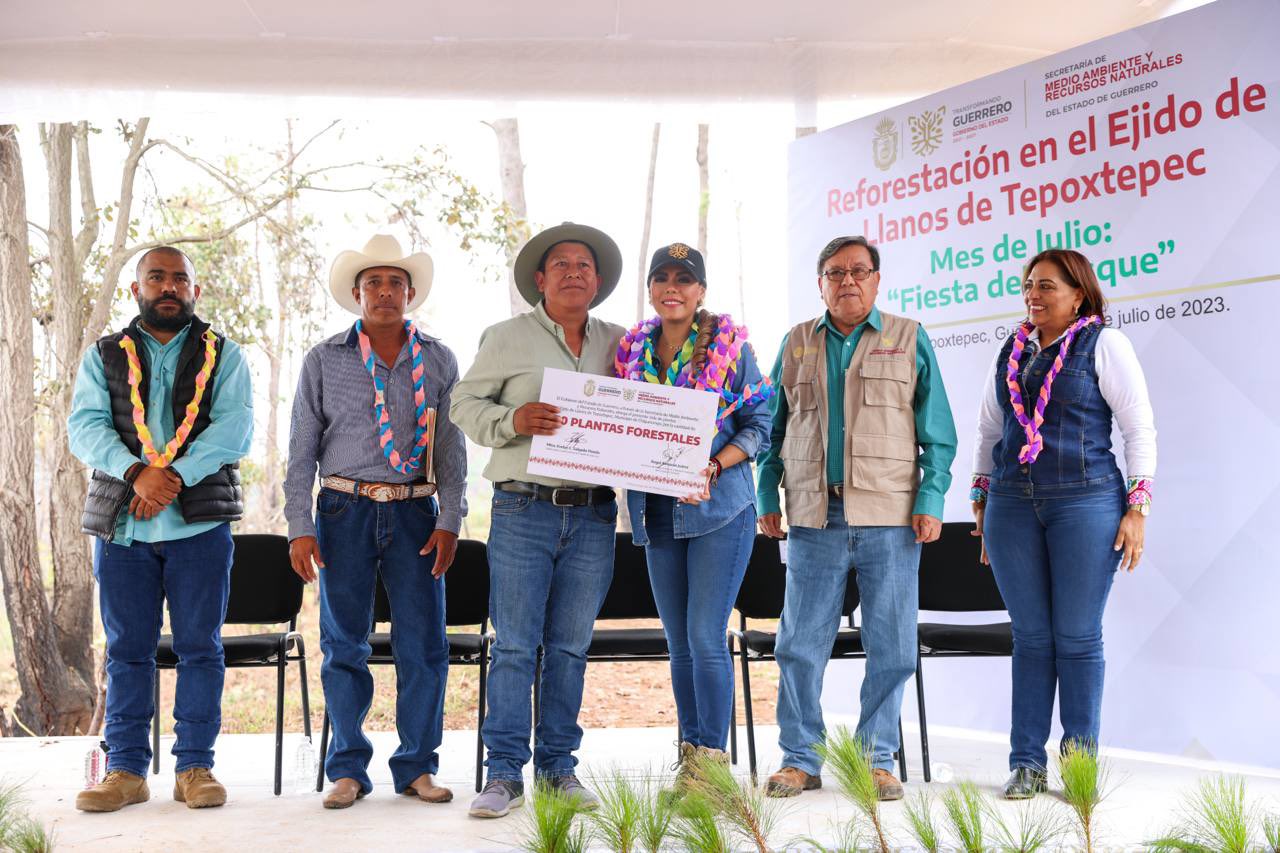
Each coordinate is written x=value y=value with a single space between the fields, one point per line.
x=837 y=276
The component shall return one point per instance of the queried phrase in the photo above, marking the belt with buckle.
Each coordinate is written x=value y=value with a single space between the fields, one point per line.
x=380 y=492
x=558 y=496
x=836 y=491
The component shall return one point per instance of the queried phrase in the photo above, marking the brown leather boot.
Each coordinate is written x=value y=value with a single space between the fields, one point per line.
x=344 y=792
x=198 y=789
x=425 y=789
x=888 y=785
x=790 y=782
x=113 y=793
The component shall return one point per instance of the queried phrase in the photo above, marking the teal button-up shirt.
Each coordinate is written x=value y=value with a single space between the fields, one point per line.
x=935 y=429
x=92 y=434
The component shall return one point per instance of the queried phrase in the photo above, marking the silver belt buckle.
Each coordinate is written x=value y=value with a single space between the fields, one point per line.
x=555 y=496
x=382 y=492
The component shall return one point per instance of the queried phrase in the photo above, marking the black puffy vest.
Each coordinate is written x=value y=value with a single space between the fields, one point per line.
x=217 y=497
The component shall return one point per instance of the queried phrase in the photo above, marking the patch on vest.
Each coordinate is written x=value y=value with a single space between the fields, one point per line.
x=802 y=351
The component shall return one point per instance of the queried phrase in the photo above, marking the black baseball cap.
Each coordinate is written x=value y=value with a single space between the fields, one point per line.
x=682 y=256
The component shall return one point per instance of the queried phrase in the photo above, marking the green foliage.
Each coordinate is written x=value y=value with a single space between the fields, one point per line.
x=849 y=760
x=919 y=811
x=618 y=821
x=19 y=831
x=1084 y=780
x=655 y=820
x=697 y=827
x=1037 y=826
x=965 y=808
x=750 y=814
x=1215 y=817
x=550 y=823
x=1271 y=832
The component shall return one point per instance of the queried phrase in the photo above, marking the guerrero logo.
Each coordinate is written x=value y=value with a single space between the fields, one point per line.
x=628 y=394
x=926 y=131
x=884 y=145
x=589 y=389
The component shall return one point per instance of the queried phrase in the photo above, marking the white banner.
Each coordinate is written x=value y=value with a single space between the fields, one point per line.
x=1155 y=152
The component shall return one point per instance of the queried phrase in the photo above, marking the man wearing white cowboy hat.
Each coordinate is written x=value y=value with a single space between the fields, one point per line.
x=372 y=415
x=551 y=541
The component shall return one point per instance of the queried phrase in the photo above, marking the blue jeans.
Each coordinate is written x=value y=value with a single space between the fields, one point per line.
x=887 y=560
x=695 y=582
x=360 y=539
x=134 y=581
x=549 y=570
x=1054 y=564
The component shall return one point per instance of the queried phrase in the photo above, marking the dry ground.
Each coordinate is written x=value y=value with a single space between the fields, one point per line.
x=616 y=694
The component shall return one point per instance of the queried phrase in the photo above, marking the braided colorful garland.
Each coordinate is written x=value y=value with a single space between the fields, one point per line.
x=678 y=370
x=1031 y=426
x=382 y=419
x=155 y=459
x=717 y=374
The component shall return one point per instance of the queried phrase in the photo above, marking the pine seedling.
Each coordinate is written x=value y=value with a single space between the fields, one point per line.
x=1084 y=785
x=964 y=808
x=551 y=824
x=616 y=823
x=850 y=762
x=655 y=820
x=920 y=819
x=750 y=814
x=1215 y=817
x=28 y=835
x=697 y=826
x=1271 y=832
x=1037 y=827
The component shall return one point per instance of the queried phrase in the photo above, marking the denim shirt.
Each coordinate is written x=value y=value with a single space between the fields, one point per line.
x=1076 y=457
x=748 y=430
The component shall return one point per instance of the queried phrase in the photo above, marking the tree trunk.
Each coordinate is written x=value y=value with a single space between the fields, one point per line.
x=54 y=698
x=642 y=290
x=72 y=567
x=511 y=169
x=704 y=188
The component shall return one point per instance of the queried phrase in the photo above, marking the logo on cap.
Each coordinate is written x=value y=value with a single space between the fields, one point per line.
x=679 y=251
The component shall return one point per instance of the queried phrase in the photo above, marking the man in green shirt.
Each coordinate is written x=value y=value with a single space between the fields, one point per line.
x=550 y=541
x=862 y=443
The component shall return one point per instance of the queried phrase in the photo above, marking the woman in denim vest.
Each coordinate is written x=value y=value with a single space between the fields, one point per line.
x=698 y=546
x=1056 y=515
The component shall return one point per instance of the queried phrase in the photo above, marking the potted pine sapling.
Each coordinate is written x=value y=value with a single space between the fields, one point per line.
x=19 y=831
x=921 y=821
x=697 y=825
x=849 y=760
x=616 y=823
x=1271 y=832
x=1037 y=827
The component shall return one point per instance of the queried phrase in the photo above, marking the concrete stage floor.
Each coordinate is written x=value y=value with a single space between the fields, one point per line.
x=1144 y=800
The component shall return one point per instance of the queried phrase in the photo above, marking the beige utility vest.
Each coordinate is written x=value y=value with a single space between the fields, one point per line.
x=881 y=474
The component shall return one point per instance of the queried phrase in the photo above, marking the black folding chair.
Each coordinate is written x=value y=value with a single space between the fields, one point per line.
x=264 y=591
x=761 y=597
x=953 y=580
x=466 y=603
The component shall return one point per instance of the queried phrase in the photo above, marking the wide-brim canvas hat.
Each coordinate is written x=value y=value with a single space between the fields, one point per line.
x=382 y=250
x=608 y=258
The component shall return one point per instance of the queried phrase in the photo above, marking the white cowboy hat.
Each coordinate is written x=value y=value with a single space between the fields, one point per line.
x=608 y=258
x=382 y=250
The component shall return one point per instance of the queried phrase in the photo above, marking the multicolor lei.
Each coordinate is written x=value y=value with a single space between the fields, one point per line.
x=421 y=432
x=1139 y=490
x=155 y=459
x=717 y=374
x=678 y=370
x=1031 y=426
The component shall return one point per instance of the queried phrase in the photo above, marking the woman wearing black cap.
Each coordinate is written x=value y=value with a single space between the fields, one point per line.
x=698 y=546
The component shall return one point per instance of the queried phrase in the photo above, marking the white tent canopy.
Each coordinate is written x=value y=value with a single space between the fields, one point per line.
x=658 y=50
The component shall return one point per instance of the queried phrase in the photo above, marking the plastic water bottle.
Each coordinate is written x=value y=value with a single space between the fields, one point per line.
x=95 y=765
x=942 y=772
x=304 y=767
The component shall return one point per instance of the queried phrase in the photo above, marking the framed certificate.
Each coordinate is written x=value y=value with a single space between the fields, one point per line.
x=633 y=435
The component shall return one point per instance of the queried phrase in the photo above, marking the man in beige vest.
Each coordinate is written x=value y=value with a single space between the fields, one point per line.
x=862 y=444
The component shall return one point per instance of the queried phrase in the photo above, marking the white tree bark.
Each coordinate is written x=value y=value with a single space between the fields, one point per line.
x=704 y=188
x=642 y=289
x=511 y=170
x=55 y=699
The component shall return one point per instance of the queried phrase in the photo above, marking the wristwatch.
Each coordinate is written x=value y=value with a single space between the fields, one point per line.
x=1143 y=509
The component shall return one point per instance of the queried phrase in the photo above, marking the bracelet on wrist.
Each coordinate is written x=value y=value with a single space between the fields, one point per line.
x=979 y=489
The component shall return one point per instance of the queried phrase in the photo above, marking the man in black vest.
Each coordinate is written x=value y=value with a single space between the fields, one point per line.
x=162 y=412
